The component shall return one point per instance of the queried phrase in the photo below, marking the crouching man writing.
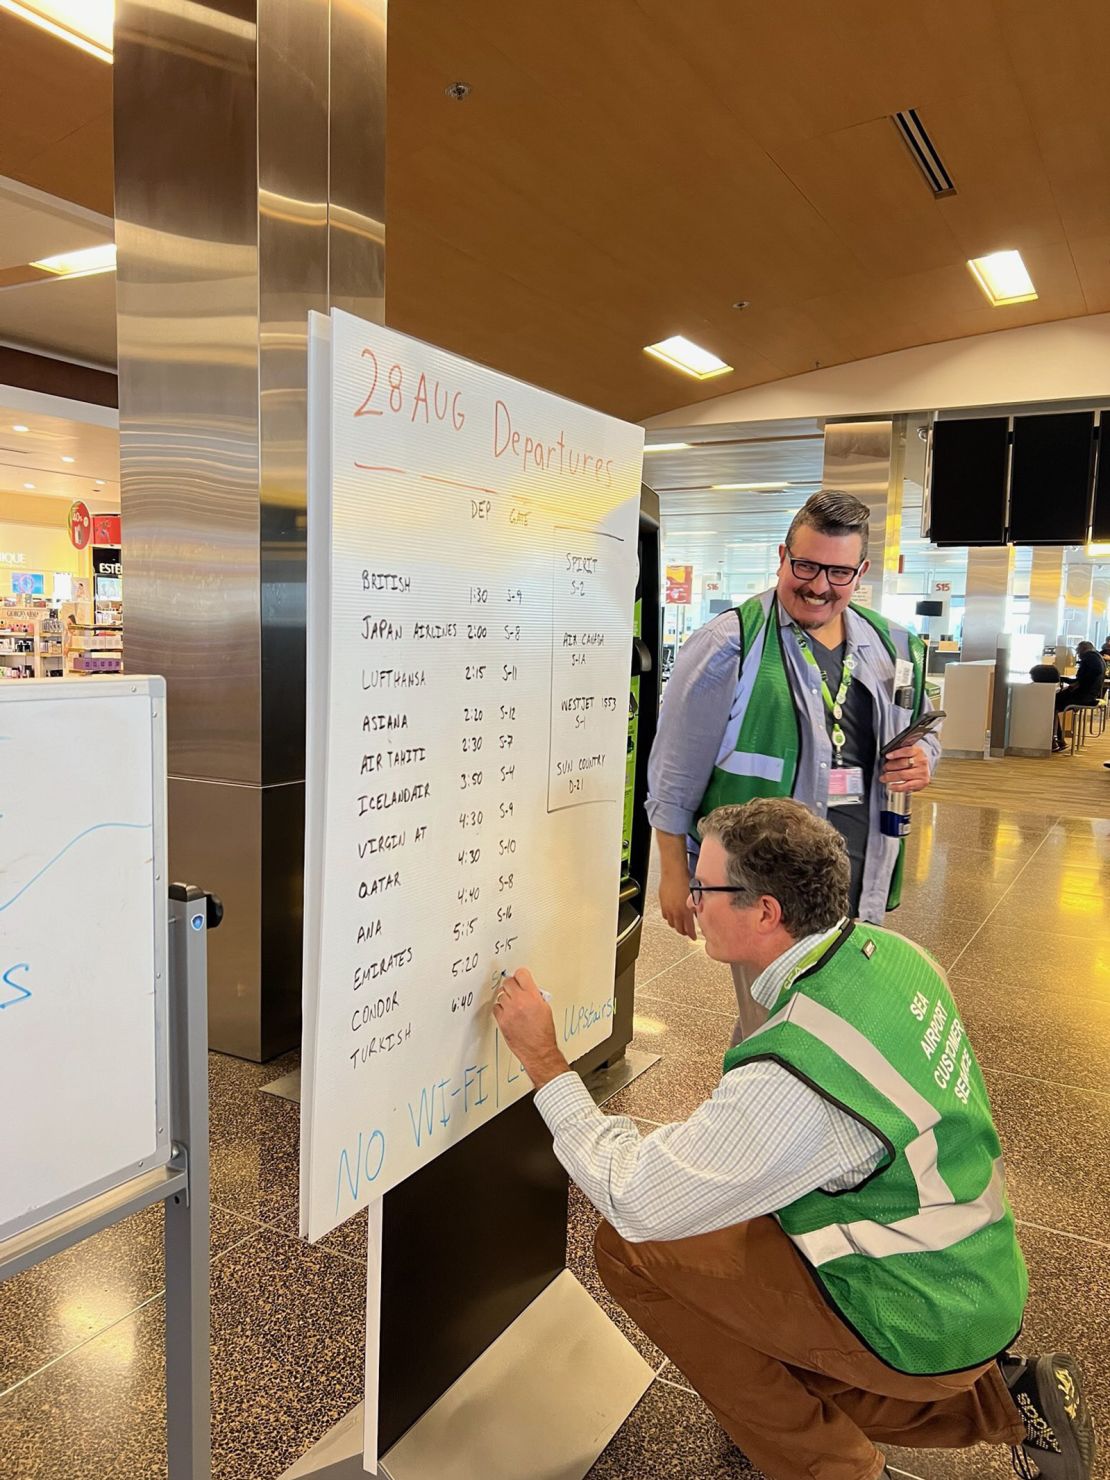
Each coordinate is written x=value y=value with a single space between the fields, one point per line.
x=825 y=1247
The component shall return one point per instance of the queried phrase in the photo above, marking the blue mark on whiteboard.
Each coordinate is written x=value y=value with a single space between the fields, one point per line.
x=22 y=992
x=368 y=1161
x=99 y=827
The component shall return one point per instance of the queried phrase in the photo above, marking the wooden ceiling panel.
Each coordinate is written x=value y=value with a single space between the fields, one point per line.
x=864 y=183
x=627 y=169
x=1062 y=73
x=52 y=92
x=1091 y=256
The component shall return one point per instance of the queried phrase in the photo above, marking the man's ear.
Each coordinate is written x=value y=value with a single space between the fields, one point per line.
x=770 y=917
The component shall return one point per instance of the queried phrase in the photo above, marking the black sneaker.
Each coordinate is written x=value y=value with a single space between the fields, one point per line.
x=1048 y=1393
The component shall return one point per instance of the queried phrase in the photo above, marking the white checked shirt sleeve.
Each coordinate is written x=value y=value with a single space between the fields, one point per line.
x=761 y=1141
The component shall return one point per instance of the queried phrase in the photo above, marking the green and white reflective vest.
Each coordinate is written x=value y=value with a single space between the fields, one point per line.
x=921 y=1259
x=765 y=714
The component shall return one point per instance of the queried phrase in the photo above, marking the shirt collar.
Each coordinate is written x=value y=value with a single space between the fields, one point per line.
x=781 y=972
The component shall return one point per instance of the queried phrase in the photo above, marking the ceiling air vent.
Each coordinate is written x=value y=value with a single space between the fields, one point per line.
x=920 y=145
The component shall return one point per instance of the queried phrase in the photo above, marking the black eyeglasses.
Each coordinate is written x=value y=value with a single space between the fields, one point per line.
x=697 y=889
x=809 y=570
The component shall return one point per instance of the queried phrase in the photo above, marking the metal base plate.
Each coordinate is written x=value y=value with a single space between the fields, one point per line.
x=557 y=1385
x=605 y=1081
x=288 y=1087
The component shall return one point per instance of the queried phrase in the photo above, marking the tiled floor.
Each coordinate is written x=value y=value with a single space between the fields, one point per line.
x=1015 y=905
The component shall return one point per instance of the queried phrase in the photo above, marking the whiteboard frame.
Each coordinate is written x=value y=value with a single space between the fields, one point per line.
x=154 y=691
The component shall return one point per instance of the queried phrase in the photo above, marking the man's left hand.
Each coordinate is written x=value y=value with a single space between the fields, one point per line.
x=907 y=769
x=528 y=1028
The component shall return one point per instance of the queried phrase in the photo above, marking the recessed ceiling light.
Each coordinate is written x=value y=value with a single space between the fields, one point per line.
x=1003 y=277
x=1098 y=548
x=665 y=446
x=29 y=486
x=99 y=483
x=80 y=264
x=83 y=23
x=19 y=427
x=68 y=459
x=683 y=354
x=748 y=487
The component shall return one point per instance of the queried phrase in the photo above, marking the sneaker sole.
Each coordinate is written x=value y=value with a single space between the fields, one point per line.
x=1076 y=1435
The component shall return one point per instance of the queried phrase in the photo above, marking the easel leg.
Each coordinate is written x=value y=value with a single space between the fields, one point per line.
x=188 y=1376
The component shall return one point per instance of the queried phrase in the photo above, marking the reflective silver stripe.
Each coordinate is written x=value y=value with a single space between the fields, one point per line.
x=926 y=1232
x=741 y=763
x=862 y=1055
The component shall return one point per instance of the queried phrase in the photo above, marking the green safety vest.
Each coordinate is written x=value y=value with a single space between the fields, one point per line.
x=921 y=1259
x=768 y=745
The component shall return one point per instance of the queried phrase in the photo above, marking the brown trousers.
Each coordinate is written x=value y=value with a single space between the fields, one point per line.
x=738 y=1312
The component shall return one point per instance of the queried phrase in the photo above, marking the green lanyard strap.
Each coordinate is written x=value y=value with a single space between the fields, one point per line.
x=835 y=706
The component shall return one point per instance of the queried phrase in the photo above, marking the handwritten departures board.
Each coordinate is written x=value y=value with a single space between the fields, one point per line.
x=472 y=569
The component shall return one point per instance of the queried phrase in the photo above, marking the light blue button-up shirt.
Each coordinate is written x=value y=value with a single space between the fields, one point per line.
x=695 y=733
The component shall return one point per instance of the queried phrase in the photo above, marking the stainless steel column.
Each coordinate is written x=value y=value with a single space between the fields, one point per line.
x=867 y=458
x=250 y=168
x=1100 y=599
x=1077 y=599
x=1046 y=586
x=990 y=575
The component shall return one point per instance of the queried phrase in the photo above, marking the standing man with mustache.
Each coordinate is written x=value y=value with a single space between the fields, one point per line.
x=793 y=694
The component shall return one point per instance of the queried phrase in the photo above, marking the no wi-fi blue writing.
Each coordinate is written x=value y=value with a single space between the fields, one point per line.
x=24 y=992
x=97 y=827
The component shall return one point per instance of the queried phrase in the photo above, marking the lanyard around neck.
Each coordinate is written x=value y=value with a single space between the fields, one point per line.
x=834 y=705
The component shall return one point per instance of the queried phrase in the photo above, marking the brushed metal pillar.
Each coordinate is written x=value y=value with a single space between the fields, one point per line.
x=1046 y=587
x=250 y=170
x=990 y=576
x=867 y=458
x=1100 y=600
x=1077 y=600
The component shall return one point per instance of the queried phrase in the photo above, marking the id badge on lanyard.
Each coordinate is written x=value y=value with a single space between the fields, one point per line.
x=845 y=786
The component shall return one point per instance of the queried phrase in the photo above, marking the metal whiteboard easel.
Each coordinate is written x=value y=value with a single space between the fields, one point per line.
x=179 y=1177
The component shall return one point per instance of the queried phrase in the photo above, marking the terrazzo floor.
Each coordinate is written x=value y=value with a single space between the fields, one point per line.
x=1015 y=904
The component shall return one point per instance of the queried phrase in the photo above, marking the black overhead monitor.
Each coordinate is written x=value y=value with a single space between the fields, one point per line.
x=1050 y=481
x=967 y=488
x=1100 y=520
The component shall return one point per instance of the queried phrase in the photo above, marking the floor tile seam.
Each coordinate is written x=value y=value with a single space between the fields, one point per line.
x=322 y=1248
x=693 y=951
x=1001 y=899
x=1082 y=1089
x=1079 y=1238
x=686 y=1006
x=681 y=1387
x=94 y=1336
x=134 y=1310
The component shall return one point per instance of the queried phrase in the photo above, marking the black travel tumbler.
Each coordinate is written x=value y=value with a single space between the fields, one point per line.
x=894 y=817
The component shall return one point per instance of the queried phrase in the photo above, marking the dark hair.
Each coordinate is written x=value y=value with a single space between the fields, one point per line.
x=830 y=512
x=1084 y=646
x=776 y=847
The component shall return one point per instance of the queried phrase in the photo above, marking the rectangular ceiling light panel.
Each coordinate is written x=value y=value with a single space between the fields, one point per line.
x=80 y=264
x=83 y=23
x=1003 y=277
x=683 y=354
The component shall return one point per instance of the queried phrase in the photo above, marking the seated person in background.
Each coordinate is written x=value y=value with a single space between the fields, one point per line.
x=825 y=1247
x=1044 y=673
x=1084 y=688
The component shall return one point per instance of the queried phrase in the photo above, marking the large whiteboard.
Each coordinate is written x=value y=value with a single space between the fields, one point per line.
x=83 y=1030
x=472 y=569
